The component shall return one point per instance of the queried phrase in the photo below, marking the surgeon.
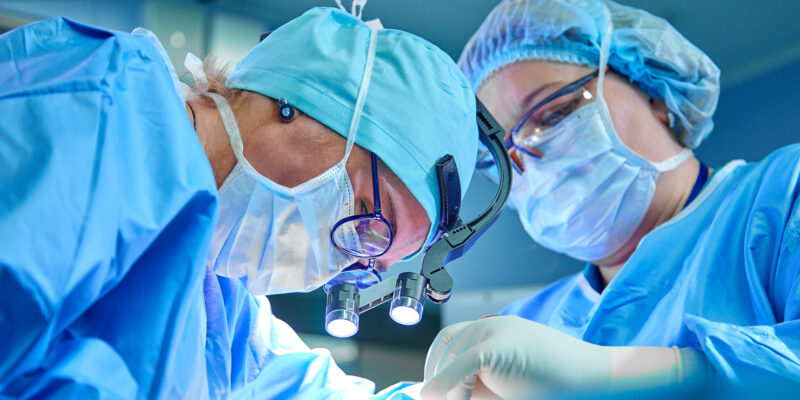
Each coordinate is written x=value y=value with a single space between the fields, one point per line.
x=142 y=221
x=693 y=273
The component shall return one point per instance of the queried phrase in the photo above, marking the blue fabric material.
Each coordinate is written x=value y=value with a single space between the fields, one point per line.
x=723 y=276
x=702 y=177
x=644 y=48
x=419 y=106
x=106 y=211
x=251 y=354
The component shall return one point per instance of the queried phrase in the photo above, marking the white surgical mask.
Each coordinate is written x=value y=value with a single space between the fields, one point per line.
x=590 y=192
x=277 y=239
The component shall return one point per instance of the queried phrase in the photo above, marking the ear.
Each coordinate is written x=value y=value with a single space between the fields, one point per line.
x=660 y=110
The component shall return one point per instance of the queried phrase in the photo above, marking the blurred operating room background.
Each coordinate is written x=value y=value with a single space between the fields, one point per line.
x=755 y=43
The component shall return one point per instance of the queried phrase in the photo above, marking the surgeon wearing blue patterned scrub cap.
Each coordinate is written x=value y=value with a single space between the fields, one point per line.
x=692 y=272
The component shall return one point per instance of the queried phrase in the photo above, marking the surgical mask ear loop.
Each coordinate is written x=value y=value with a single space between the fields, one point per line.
x=663 y=166
x=605 y=47
x=232 y=128
x=195 y=67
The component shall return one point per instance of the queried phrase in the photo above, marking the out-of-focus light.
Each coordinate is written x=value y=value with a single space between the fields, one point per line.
x=177 y=39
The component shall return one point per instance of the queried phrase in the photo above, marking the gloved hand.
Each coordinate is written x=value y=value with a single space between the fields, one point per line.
x=518 y=358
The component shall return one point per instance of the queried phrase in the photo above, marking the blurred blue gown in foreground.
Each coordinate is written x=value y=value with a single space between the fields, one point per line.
x=107 y=205
x=723 y=276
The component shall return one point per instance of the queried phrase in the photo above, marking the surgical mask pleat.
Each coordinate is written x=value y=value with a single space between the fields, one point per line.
x=550 y=173
x=254 y=224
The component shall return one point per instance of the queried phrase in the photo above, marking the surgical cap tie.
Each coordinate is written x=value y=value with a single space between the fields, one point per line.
x=355 y=9
x=362 y=90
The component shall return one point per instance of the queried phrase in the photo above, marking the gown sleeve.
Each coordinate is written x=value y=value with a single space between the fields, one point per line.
x=90 y=172
x=768 y=352
x=268 y=359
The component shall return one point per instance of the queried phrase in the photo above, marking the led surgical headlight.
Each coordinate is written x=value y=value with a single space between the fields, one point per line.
x=408 y=298
x=408 y=290
x=341 y=310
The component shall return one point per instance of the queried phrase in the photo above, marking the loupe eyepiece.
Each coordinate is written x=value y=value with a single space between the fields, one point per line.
x=341 y=310
x=408 y=298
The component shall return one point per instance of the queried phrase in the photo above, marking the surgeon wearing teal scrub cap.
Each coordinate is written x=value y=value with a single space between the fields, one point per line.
x=142 y=220
x=692 y=272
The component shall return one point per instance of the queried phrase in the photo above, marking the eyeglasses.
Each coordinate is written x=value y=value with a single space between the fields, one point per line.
x=373 y=235
x=547 y=113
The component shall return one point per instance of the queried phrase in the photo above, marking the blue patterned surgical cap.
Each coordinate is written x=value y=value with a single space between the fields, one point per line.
x=644 y=48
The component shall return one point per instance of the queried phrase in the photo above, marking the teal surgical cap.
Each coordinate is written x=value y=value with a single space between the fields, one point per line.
x=418 y=108
x=644 y=48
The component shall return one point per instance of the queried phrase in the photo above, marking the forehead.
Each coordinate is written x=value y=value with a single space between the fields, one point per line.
x=508 y=90
x=523 y=77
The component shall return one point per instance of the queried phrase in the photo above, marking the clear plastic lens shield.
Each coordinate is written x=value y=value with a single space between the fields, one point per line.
x=534 y=126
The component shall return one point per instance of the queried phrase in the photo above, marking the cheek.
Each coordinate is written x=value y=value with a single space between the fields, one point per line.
x=417 y=230
x=630 y=114
x=359 y=170
x=413 y=226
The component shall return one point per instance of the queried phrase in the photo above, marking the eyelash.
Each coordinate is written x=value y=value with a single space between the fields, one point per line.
x=563 y=111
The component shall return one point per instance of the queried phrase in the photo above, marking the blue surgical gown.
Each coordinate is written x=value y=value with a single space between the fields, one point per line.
x=722 y=276
x=107 y=205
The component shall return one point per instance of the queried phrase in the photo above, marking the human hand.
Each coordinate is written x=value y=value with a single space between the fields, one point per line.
x=513 y=358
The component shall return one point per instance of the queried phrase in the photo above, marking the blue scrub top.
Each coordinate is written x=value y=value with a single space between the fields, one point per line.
x=722 y=276
x=107 y=205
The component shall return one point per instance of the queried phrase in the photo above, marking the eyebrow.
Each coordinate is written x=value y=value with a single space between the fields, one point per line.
x=532 y=95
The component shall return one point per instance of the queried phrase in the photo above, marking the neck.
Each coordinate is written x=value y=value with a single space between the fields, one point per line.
x=211 y=132
x=672 y=193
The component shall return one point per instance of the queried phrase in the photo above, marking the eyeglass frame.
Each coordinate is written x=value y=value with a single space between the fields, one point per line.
x=375 y=215
x=509 y=143
x=569 y=88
